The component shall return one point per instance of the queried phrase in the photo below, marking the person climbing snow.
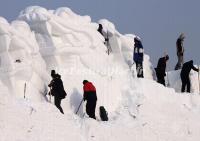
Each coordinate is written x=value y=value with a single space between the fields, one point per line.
x=57 y=89
x=91 y=98
x=185 y=75
x=160 y=70
x=138 y=56
x=106 y=36
x=180 y=51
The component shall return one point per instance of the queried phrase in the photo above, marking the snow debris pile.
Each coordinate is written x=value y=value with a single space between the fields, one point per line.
x=139 y=109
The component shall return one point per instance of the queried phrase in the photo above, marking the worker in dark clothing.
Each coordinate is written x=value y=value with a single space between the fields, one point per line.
x=185 y=75
x=100 y=29
x=102 y=32
x=106 y=35
x=138 y=56
x=57 y=89
x=160 y=70
x=180 y=51
x=91 y=98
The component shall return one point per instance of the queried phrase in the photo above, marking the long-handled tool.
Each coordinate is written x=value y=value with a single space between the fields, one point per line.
x=25 y=90
x=50 y=95
x=79 y=106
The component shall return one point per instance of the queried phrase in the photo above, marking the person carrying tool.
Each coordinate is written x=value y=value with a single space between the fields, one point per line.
x=90 y=96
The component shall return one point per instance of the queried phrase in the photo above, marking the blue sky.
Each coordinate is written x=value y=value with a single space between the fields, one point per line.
x=157 y=22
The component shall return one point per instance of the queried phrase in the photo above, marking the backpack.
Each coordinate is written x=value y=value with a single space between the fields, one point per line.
x=103 y=113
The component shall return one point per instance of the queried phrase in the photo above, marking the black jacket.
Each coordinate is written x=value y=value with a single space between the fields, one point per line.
x=56 y=85
x=161 y=66
x=138 y=52
x=187 y=68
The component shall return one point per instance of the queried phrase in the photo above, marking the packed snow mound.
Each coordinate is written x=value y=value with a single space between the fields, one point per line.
x=20 y=61
x=166 y=115
x=151 y=111
x=35 y=121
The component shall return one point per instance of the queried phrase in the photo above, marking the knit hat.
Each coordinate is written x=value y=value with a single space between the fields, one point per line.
x=53 y=72
x=85 y=81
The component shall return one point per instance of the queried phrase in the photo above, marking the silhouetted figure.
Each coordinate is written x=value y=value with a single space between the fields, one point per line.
x=91 y=98
x=160 y=70
x=103 y=33
x=100 y=29
x=138 y=57
x=57 y=89
x=106 y=35
x=180 y=51
x=185 y=75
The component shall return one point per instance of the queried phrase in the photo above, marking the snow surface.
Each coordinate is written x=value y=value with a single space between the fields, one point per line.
x=138 y=109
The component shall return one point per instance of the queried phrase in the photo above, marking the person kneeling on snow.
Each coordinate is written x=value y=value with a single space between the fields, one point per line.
x=160 y=70
x=57 y=89
x=185 y=75
x=91 y=98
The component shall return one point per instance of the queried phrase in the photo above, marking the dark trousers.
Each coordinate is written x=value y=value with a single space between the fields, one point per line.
x=139 y=69
x=161 y=80
x=185 y=82
x=90 y=108
x=57 y=102
x=160 y=77
x=179 y=63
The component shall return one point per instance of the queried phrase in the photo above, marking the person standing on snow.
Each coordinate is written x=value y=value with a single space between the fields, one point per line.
x=138 y=57
x=180 y=51
x=57 y=89
x=91 y=98
x=105 y=35
x=160 y=70
x=185 y=75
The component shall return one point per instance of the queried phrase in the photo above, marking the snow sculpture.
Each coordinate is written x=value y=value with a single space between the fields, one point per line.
x=20 y=60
